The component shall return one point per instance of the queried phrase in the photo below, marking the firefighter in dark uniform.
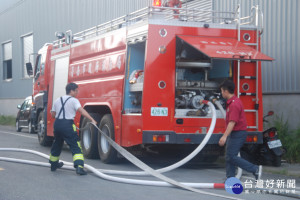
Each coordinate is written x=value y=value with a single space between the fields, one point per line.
x=64 y=110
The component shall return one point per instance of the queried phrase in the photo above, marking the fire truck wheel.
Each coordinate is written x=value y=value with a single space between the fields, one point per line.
x=30 y=128
x=106 y=152
x=44 y=140
x=89 y=138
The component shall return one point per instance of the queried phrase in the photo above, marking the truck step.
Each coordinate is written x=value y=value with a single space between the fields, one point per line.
x=247 y=94
x=247 y=77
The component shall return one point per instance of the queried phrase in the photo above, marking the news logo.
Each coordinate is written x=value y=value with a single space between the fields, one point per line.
x=233 y=186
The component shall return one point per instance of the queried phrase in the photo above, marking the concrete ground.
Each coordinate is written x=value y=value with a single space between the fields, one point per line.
x=16 y=185
x=287 y=169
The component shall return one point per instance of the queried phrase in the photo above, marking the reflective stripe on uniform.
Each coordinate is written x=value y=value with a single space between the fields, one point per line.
x=78 y=157
x=54 y=158
x=78 y=143
x=74 y=128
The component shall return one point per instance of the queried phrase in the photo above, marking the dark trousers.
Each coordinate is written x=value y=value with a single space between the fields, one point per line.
x=65 y=130
x=233 y=145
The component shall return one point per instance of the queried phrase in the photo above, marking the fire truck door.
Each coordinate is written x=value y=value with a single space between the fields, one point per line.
x=60 y=77
x=39 y=76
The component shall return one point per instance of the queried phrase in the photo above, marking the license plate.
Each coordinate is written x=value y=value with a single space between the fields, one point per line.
x=158 y=111
x=274 y=144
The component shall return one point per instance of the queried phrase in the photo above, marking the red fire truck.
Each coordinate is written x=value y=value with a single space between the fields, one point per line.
x=142 y=76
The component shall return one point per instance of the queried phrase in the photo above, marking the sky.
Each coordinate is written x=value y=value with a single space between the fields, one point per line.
x=4 y=4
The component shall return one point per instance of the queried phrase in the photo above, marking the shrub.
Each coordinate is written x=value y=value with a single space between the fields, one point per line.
x=290 y=140
x=7 y=120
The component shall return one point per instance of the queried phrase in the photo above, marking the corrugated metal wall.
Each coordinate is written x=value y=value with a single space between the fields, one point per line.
x=44 y=17
x=280 y=41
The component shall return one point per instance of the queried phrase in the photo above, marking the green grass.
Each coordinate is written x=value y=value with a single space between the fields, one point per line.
x=290 y=140
x=282 y=171
x=7 y=120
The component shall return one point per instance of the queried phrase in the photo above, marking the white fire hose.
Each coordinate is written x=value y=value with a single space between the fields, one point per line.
x=181 y=162
x=138 y=163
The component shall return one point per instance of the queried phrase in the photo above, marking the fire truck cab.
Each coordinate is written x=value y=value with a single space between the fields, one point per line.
x=142 y=77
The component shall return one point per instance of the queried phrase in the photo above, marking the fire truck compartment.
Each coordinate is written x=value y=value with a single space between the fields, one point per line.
x=202 y=63
x=197 y=78
x=134 y=77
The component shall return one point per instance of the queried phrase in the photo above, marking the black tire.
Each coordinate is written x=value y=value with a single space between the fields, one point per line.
x=18 y=129
x=30 y=129
x=89 y=137
x=44 y=140
x=277 y=161
x=106 y=152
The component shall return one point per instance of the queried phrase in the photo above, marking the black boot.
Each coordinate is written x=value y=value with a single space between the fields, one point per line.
x=80 y=170
x=56 y=165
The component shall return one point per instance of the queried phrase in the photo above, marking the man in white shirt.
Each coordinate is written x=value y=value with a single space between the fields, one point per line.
x=64 y=110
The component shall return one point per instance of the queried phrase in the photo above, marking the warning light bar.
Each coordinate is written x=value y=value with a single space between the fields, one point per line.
x=157 y=3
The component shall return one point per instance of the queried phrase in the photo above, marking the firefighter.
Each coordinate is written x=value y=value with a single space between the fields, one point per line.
x=64 y=110
x=235 y=134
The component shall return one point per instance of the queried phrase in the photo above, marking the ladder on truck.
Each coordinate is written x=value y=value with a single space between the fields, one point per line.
x=254 y=19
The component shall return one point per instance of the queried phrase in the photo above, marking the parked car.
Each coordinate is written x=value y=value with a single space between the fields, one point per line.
x=23 y=117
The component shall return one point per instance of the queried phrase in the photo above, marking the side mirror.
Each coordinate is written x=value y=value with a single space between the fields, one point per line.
x=29 y=69
x=270 y=113
x=19 y=107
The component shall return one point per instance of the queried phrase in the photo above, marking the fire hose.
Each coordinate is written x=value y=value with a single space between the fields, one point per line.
x=181 y=162
x=140 y=164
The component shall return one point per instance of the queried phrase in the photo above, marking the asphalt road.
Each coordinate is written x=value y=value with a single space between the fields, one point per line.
x=27 y=182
